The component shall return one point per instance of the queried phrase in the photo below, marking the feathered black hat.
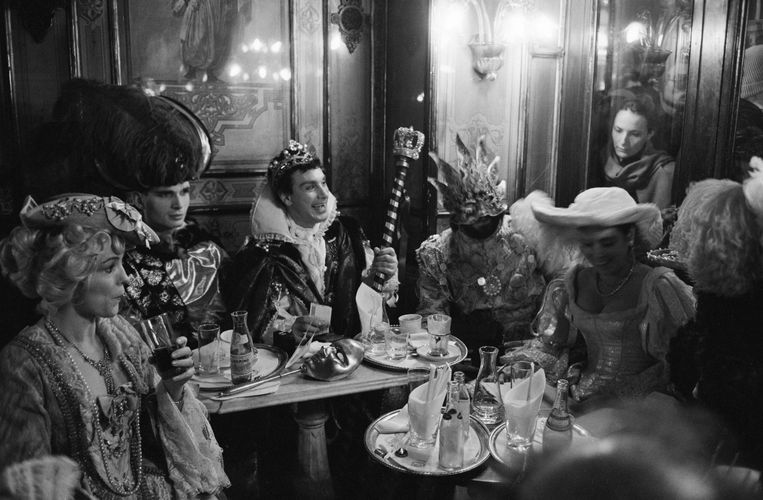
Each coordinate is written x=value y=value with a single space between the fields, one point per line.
x=130 y=140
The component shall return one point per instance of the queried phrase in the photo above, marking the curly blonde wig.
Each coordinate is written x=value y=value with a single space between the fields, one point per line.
x=53 y=264
x=719 y=238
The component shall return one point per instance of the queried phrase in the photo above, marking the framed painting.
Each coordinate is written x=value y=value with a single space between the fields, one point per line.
x=229 y=61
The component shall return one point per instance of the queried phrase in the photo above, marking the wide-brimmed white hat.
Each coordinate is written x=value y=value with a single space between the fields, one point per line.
x=606 y=207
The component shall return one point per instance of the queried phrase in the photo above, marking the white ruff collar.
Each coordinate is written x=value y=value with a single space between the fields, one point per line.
x=270 y=221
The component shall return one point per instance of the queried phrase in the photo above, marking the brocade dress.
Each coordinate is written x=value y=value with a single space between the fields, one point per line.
x=491 y=287
x=132 y=442
x=626 y=350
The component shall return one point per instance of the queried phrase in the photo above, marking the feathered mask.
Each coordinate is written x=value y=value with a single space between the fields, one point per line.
x=131 y=140
x=472 y=189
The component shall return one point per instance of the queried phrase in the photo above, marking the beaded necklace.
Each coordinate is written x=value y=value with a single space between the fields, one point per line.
x=619 y=285
x=103 y=366
x=115 y=485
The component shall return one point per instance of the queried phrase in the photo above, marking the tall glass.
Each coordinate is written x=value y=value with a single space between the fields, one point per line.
x=424 y=415
x=521 y=413
x=209 y=347
x=438 y=327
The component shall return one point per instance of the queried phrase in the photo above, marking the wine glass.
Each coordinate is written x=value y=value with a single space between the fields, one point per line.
x=158 y=334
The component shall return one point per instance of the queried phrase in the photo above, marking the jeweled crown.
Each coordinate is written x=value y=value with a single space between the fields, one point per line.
x=407 y=142
x=294 y=155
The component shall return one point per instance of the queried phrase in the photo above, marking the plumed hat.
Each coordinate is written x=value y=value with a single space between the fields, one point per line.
x=607 y=207
x=131 y=140
x=106 y=213
x=471 y=189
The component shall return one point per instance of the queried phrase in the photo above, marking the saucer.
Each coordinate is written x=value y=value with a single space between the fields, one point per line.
x=453 y=353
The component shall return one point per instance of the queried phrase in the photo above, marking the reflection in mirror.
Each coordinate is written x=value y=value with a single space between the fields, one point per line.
x=748 y=138
x=640 y=81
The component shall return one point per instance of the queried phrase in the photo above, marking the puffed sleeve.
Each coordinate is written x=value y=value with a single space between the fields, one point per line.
x=670 y=305
x=25 y=425
x=434 y=294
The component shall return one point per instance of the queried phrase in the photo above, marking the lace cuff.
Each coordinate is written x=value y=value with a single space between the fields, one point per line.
x=194 y=459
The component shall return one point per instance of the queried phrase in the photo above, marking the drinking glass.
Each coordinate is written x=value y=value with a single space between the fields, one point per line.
x=209 y=347
x=438 y=326
x=521 y=413
x=410 y=323
x=158 y=334
x=424 y=415
x=396 y=341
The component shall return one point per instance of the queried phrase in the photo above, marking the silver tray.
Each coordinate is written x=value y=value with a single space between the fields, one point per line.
x=410 y=361
x=424 y=462
x=270 y=361
x=513 y=457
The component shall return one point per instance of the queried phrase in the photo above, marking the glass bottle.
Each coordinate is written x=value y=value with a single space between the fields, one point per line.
x=557 y=434
x=243 y=354
x=487 y=404
x=451 y=435
x=464 y=403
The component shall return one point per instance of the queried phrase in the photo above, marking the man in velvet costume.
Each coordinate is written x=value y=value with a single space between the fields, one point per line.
x=300 y=252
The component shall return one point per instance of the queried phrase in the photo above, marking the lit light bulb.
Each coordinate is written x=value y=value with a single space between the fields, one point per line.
x=276 y=47
x=336 y=41
x=234 y=70
x=262 y=71
x=285 y=74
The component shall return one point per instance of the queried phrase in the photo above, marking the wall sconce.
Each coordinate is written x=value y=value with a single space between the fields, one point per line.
x=488 y=45
x=644 y=43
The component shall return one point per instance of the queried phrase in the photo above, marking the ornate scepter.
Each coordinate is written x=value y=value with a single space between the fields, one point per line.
x=407 y=144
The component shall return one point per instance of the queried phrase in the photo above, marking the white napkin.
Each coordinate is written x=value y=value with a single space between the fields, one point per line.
x=260 y=390
x=519 y=391
x=369 y=303
x=399 y=423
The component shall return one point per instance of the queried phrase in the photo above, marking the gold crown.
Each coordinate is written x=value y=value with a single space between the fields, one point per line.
x=407 y=142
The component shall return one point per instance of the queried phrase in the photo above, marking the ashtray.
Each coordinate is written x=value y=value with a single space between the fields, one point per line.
x=453 y=352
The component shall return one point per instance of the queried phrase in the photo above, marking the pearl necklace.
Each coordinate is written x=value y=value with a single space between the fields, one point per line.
x=136 y=452
x=103 y=366
x=619 y=285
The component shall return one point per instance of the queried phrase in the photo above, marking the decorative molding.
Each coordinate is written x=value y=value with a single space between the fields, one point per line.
x=227 y=107
x=90 y=10
x=308 y=19
x=351 y=20
x=224 y=192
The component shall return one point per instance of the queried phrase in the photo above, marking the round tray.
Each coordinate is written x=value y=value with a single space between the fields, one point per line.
x=513 y=457
x=424 y=462
x=270 y=361
x=415 y=341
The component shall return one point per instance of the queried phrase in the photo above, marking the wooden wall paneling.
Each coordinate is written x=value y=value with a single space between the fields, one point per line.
x=712 y=94
x=307 y=122
x=93 y=30
x=350 y=111
x=577 y=87
x=406 y=73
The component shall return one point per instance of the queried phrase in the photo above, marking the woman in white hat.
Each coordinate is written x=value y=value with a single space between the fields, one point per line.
x=626 y=311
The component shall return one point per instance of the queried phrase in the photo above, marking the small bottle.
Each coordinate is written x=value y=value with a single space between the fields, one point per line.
x=451 y=433
x=464 y=403
x=487 y=404
x=243 y=355
x=557 y=435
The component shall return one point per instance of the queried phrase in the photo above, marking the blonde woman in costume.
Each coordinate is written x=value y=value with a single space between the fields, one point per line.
x=78 y=383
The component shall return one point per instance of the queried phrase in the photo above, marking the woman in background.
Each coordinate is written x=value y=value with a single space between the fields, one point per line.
x=78 y=383
x=632 y=162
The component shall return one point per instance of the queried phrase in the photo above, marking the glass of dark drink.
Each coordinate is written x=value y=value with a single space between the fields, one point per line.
x=157 y=333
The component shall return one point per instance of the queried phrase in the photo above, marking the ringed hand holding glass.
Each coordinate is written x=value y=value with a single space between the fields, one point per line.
x=158 y=334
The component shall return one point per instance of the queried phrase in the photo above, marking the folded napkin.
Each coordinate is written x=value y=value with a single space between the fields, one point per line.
x=260 y=390
x=399 y=423
x=518 y=393
x=369 y=303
